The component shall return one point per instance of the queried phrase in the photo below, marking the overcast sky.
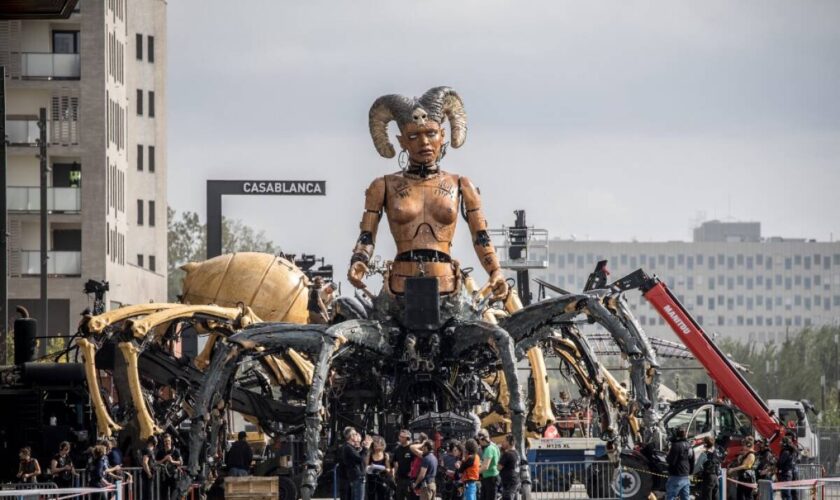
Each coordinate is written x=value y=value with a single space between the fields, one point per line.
x=604 y=120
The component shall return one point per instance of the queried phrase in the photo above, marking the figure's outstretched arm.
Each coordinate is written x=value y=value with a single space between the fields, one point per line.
x=363 y=251
x=481 y=240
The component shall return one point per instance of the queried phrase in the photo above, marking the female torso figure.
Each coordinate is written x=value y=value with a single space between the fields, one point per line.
x=422 y=202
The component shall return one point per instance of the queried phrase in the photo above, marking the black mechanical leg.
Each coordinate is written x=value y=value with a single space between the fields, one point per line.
x=471 y=334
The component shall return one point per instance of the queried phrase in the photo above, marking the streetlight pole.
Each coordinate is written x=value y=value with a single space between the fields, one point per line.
x=42 y=154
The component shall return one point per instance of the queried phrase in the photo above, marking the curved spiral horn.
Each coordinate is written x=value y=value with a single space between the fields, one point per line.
x=444 y=101
x=383 y=110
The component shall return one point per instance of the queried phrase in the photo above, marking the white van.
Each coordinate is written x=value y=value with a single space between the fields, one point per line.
x=793 y=415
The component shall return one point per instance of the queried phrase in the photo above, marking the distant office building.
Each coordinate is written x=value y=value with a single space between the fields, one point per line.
x=101 y=76
x=736 y=283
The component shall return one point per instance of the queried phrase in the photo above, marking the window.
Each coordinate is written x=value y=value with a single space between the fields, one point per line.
x=139 y=157
x=152 y=263
x=65 y=42
x=151 y=48
x=139 y=212
x=138 y=43
x=151 y=158
x=151 y=104
x=151 y=213
x=139 y=260
x=139 y=102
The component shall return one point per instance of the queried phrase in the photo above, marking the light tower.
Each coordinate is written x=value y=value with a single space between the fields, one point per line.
x=522 y=248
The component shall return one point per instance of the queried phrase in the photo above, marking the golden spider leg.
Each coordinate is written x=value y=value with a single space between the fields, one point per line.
x=105 y=425
x=542 y=412
x=98 y=323
x=144 y=418
x=141 y=327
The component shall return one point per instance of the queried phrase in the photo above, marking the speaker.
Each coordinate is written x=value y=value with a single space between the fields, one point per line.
x=702 y=391
x=422 y=303
x=26 y=329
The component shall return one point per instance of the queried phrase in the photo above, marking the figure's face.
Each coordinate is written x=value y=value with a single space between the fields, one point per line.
x=422 y=142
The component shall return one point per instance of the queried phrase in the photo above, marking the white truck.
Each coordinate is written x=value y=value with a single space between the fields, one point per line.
x=794 y=415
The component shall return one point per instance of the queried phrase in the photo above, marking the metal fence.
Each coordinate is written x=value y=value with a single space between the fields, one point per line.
x=829 y=438
x=574 y=480
x=136 y=485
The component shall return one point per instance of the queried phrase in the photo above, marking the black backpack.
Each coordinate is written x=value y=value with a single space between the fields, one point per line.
x=711 y=467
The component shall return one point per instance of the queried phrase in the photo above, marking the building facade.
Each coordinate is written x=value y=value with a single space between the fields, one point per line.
x=101 y=75
x=734 y=282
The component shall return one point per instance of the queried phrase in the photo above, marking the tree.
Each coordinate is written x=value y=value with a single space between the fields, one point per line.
x=794 y=369
x=188 y=243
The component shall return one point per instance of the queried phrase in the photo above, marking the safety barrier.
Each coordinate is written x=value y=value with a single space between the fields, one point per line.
x=49 y=491
x=826 y=488
x=136 y=485
x=574 y=480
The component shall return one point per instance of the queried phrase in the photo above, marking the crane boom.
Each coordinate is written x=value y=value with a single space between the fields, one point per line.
x=730 y=382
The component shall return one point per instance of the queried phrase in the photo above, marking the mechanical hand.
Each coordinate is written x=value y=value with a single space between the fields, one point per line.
x=356 y=274
x=498 y=284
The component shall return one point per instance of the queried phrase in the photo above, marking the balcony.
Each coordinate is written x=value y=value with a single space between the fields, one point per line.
x=28 y=199
x=22 y=132
x=50 y=66
x=64 y=263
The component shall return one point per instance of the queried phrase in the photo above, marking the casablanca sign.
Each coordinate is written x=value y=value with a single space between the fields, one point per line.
x=218 y=188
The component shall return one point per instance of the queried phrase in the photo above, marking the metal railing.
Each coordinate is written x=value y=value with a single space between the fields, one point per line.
x=28 y=199
x=136 y=486
x=809 y=471
x=22 y=132
x=48 y=65
x=58 y=262
x=578 y=480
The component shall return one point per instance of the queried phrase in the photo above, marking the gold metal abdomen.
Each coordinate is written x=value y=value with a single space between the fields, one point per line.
x=274 y=288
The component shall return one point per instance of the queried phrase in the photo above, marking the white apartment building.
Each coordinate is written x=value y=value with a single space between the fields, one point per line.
x=101 y=75
x=736 y=283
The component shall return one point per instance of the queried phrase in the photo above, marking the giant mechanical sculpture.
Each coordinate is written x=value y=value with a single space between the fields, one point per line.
x=419 y=354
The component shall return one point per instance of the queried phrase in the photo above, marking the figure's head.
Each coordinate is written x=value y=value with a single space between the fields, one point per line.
x=25 y=453
x=422 y=143
x=64 y=448
x=709 y=442
x=242 y=436
x=420 y=121
x=167 y=441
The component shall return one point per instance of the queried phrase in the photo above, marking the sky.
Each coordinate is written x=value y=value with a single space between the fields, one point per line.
x=609 y=120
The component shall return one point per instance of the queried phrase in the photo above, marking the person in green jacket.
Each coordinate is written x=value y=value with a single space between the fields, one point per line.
x=489 y=466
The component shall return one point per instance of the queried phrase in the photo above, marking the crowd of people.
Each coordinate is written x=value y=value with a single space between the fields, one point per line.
x=102 y=464
x=417 y=469
x=754 y=462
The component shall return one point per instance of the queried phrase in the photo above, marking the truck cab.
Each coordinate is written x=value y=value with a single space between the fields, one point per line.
x=701 y=418
x=794 y=416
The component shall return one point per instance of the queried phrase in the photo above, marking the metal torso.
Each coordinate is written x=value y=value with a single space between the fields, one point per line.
x=422 y=212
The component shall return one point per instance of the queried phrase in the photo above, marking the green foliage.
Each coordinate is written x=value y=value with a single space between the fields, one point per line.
x=793 y=369
x=188 y=243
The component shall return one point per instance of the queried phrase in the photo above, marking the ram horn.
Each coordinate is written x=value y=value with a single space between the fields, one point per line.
x=444 y=101
x=383 y=110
